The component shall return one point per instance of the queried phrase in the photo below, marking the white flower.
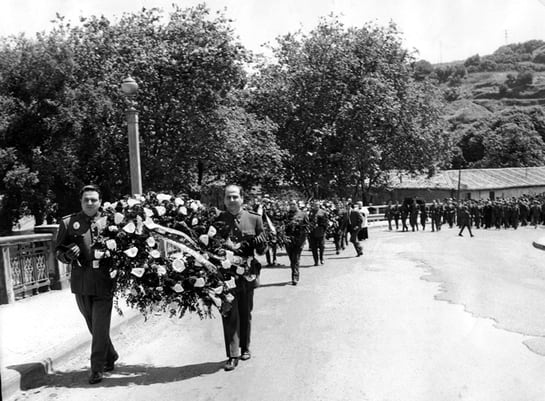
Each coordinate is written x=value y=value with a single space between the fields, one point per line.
x=155 y=254
x=230 y=256
x=101 y=223
x=148 y=212
x=178 y=288
x=112 y=229
x=118 y=218
x=129 y=228
x=131 y=252
x=229 y=298
x=178 y=265
x=160 y=210
x=106 y=205
x=113 y=273
x=161 y=270
x=182 y=210
x=212 y=231
x=194 y=206
x=178 y=201
x=194 y=221
x=111 y=244
x=160 y=289
x=131 y=202
x=204 y=239
x=134 y=292
x=226 y=264
x=150 y=224
x=163 y=197
x=138 y=271
x=240 y=270
x=99 y=254
x=199 y=283
x=151 y=242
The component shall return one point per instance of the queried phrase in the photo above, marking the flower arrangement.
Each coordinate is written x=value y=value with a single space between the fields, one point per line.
x=167 y=254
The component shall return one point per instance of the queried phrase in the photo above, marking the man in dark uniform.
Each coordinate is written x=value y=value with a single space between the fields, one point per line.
x=355 y=223
x=91 y=284
x=316 y=237
x=296 y=230
x=245 y=235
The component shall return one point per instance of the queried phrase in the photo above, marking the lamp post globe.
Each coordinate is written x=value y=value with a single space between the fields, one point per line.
x=129 y=87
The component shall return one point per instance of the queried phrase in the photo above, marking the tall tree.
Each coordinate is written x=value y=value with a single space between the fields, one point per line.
x=347 y=107
x=64 y=113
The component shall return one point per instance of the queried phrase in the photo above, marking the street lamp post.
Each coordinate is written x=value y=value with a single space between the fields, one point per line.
x=129 y=88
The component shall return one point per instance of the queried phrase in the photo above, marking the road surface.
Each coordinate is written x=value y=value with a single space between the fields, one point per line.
x=421 y=316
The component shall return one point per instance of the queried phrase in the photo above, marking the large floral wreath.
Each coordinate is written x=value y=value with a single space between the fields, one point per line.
x=167 y=254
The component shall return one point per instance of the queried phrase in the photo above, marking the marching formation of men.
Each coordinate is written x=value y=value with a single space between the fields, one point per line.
x=487 y=214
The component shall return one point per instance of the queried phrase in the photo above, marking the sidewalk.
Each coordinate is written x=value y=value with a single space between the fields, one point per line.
x=40 y=331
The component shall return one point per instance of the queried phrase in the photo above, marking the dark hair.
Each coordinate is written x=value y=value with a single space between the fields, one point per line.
x=240 y=190
x=91 y=187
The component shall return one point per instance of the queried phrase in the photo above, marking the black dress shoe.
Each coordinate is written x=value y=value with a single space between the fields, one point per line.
x=95 y=377
x=110 y=365
x=245 y=355
x=231 y=364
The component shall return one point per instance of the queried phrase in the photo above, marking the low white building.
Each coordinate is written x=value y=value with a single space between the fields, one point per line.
x=488 y=183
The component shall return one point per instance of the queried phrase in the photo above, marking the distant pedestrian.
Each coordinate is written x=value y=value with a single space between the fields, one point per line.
x=91 y=284
x=464 y=220
x=355 y=221
x=296 y=230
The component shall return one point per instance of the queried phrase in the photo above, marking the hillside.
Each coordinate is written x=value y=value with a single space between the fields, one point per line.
x=513 y=76
x=494 y=106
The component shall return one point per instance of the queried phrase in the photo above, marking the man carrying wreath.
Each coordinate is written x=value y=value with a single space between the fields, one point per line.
x=244 y=235
x=91 y=284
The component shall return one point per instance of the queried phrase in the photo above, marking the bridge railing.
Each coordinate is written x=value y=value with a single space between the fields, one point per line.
x=28 y=266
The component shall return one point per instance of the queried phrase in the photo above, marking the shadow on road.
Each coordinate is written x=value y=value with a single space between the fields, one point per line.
x=275 y=284
x=125 y=375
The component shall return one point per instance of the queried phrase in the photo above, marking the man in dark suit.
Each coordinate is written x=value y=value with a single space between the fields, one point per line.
x=91 y=284
x=245 y=235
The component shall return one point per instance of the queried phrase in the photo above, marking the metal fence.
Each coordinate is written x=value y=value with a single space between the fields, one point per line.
x=28 y=266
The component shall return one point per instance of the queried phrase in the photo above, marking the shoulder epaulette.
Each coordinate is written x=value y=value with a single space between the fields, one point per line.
x=68 y=216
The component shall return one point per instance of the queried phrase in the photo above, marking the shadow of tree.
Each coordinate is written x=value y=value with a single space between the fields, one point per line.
x=125 y=375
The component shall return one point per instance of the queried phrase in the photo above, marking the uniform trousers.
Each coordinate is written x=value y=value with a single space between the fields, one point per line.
x=97 y=311
x=354 y=233
x=317 y=246
x=237 y=323
x=294 y=253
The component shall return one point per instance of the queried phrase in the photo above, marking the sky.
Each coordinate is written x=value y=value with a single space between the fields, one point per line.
x=440 y=30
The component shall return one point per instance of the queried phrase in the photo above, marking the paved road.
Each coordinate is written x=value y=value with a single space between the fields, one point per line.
x=372 y=328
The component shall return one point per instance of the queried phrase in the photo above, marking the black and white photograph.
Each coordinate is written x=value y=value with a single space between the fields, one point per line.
x=241 y=200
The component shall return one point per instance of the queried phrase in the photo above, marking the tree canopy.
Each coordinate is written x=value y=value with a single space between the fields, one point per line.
x=348 y=108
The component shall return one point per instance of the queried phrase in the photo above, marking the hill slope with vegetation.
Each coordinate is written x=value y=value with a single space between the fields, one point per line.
x=494 y=105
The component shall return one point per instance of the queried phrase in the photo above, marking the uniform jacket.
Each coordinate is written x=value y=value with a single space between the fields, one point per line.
x=318 y=221
x=87 y=278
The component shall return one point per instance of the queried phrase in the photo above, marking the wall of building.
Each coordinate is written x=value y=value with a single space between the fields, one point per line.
x=503 y=193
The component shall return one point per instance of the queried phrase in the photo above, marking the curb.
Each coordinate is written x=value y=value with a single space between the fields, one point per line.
x=33 y=374
x=540 y=244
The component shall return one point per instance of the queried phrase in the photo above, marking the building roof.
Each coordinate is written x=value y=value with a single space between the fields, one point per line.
x=473 y=179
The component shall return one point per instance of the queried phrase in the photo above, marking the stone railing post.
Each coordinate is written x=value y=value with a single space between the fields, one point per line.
x=7 y=295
